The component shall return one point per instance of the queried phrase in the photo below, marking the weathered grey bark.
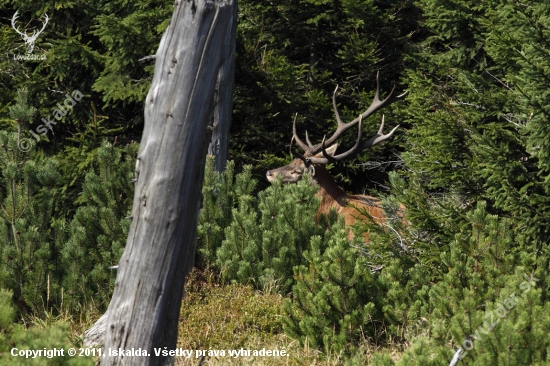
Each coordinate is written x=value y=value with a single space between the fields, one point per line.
x=193 y=72
x=222 y=115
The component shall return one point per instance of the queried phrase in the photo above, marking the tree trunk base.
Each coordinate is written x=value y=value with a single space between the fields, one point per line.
x=95 y=336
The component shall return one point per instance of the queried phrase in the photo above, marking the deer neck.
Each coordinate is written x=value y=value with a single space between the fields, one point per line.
x=328 y=189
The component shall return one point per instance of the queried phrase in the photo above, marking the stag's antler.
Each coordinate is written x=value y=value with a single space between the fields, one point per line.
x=311 y=149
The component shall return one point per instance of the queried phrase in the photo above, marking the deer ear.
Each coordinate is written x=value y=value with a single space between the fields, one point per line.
x=331 y=150
x=311 y=170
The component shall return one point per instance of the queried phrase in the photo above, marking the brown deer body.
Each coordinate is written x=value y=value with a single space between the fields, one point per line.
x=315 y=158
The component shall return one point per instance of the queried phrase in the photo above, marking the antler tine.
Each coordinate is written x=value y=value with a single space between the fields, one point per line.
x=336 y=108
x=307 y=140
x=377 y=103
x=325 y=154
x=295 y=136
x=339 y=129
x=378 y=138
x=328 y=158
x=295 y=153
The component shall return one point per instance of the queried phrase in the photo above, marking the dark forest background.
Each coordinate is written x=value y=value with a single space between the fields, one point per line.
x=469 y=162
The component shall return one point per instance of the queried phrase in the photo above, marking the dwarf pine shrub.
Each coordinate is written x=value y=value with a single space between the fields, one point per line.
x=17 y=338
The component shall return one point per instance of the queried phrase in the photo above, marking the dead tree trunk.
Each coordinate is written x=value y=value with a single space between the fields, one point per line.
x=193 y=72
x=222 y=116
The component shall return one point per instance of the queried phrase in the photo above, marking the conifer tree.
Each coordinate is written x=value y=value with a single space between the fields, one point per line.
x=336 y=297
x=490 y=306
x=95 y=238
x=27 y=189
x=94 y=49
x=218 y=195
x=477 y=108
x=267 y=234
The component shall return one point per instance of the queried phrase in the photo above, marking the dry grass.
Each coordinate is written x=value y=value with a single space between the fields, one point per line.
x=76 y=325
x=235 y=317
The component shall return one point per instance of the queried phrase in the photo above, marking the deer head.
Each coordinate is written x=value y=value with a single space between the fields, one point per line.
x=29 y=39
x=320 y=155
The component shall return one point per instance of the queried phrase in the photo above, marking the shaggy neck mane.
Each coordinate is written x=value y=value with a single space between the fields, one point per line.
x=331 y=194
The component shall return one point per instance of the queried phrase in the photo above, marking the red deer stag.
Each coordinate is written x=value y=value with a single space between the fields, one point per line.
x=315 y=158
